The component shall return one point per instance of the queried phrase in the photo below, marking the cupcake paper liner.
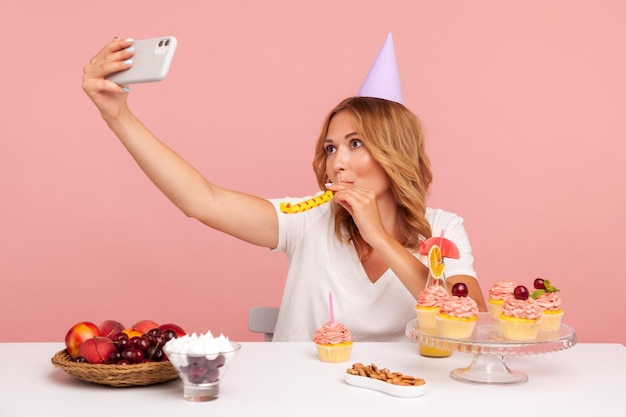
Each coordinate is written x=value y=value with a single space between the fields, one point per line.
x=334 y=353
x=455 y=328
x=427 y=317
x=551 y=321
x=514 y=328
x=495 y=308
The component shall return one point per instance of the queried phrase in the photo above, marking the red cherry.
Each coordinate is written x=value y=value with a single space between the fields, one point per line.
x=460 y=290
x=539 y=284
x=521 y=293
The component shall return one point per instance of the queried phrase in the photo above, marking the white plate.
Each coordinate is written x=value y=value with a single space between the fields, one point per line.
x=387 y=388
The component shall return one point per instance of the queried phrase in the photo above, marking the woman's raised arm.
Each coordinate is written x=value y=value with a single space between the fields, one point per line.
x=246 y=217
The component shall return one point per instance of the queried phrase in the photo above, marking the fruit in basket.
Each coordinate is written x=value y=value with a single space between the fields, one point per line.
x=121 y=341
x=97 y=349
x=111 y=343
x=179 y=330
x=110 y=327
x=132 y=355
x=145 y=348
x=78 y=334
x=144 y=325
x=132 y=333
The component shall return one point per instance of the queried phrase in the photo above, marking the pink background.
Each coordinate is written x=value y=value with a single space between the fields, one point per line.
x=523 y=105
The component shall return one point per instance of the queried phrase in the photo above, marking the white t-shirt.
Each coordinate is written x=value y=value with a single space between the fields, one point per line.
x=319 y=263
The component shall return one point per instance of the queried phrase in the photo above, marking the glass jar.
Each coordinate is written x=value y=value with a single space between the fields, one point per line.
x=433 y=349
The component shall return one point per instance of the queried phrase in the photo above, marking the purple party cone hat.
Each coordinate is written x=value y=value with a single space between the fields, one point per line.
x=383 y=81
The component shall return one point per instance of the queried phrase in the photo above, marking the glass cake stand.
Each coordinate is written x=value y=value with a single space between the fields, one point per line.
x=490 y=349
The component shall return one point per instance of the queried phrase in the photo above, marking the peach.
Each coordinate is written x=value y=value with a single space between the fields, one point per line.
x=132 y=333
x=110 y=327
x=144 y=325
x=78 y=334
x=170 y=326
x=97 y=349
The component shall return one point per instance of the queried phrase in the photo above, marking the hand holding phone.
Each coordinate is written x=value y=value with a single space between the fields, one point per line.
x=151 y=61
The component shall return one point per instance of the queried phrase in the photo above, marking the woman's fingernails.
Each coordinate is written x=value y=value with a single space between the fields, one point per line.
x=129 y=50
x=128 y=61
x=126 y=89
x=328 y=184
x=129 y=40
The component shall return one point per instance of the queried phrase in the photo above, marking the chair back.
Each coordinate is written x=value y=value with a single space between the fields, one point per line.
x=263 y=320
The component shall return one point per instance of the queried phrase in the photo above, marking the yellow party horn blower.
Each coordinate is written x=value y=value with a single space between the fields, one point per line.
x=291 y=208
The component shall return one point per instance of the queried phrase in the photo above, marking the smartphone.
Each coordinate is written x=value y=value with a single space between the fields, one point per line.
x=151 y=61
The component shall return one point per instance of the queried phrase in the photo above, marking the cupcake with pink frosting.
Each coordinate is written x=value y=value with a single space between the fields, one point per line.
x=334 y=342
x=546 y=296
x=497 y=294
x=458 y=314
x=521 y=316
x=428 y=305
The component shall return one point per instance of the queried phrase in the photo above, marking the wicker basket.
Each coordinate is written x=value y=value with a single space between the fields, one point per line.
x=116 y=375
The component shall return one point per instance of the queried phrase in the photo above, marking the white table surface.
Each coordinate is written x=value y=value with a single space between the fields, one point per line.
x=287 y=379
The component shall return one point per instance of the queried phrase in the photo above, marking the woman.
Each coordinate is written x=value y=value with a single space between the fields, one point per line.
x=362 y=246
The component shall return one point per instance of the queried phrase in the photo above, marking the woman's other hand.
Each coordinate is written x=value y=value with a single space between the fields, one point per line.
x=362 y=205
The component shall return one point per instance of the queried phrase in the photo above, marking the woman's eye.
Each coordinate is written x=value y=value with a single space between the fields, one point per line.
x=356 y=143
x=329 y=149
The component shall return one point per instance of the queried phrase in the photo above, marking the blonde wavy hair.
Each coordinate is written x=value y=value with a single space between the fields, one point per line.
x=394 y=137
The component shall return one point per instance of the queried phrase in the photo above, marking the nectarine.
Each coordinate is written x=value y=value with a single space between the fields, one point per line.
x=144 y=325
x=179 y=330
x=97 y=349
x=110 y=327
x=78 y=334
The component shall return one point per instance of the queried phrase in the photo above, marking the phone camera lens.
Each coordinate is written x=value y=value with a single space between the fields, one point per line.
x=161 y=43
x=167 y=42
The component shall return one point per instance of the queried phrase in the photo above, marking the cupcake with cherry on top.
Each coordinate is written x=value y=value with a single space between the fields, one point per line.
x=458 y=314
x=521 y=316
x=546 y=296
